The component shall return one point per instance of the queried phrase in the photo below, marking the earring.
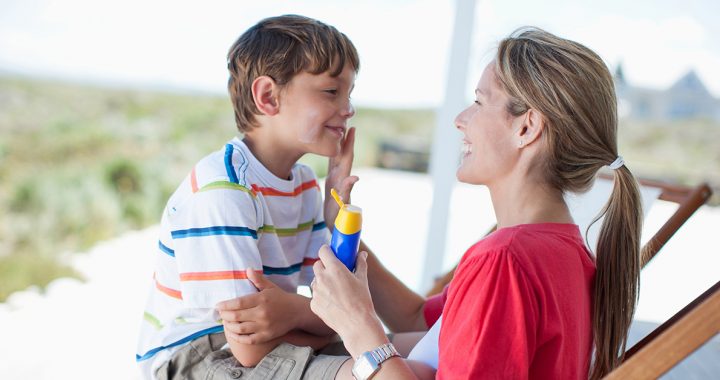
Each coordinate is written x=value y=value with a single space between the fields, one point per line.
x=520 y=144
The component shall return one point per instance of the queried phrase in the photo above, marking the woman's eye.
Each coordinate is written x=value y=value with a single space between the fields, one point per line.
x=331 y=91
x=478 y=103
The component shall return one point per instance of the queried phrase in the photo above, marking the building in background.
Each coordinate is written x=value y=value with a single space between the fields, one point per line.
x=687 y=98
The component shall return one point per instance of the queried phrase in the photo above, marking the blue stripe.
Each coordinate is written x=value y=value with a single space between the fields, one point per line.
x=287 y=270
x=198 y=334
x=165 y=249
x=319 y=226
x=214 y=230
x=228 y=164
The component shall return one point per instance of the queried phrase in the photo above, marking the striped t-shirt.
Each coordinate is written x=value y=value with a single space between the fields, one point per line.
x=229 y=214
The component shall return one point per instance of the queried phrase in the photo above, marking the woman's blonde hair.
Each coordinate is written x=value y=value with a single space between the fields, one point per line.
x=572 y=88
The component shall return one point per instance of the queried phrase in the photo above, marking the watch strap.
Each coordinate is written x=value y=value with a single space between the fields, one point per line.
x=368 y=363
x=384 y=352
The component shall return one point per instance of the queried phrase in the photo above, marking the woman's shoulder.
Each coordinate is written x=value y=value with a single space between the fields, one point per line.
x=525 y=244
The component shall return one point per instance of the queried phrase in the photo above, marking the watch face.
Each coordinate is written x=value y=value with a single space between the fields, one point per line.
x=364 y=366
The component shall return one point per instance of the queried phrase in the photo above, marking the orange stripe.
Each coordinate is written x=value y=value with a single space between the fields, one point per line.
x=308 y=261
x=193 y=181
x=298 y=190
x=205 y=276
x=170 y=292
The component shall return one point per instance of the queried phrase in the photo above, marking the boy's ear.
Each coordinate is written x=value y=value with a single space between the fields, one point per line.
x=531 y=128
x=265 y=91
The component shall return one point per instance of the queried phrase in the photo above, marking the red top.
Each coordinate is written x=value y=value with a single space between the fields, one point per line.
x=519 y=307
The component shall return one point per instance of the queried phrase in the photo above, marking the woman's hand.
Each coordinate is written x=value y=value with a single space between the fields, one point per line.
x=342 y=300
x=339 y=178
x=262 y=316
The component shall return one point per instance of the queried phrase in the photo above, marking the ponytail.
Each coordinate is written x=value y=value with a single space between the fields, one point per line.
x=617 y=277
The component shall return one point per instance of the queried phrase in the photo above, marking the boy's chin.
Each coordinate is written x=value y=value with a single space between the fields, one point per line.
x=327 y=151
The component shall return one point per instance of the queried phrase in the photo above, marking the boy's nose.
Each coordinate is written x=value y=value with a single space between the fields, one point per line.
x=348 y=111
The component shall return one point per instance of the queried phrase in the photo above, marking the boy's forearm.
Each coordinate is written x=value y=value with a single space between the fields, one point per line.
x=398 y=306
x=301 y=338
x=308 y=321
x=250 y=355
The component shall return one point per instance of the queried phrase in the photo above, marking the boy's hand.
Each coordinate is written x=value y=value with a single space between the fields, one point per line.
x=260 y=317
x=339 y=177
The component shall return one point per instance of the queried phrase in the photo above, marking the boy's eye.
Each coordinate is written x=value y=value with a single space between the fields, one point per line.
x=478 y=102
x=332 y=91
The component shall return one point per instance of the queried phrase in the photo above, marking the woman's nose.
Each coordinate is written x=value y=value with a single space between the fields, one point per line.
x=460 y=120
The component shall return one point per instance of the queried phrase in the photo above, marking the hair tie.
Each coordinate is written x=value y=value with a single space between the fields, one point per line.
x=617 y=163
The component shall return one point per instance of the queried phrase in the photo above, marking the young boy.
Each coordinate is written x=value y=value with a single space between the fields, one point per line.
x=251 y=206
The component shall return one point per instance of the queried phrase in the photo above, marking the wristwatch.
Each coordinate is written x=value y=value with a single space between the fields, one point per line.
x=367 y=364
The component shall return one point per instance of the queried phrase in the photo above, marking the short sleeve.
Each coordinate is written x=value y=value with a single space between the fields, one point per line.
x=215 y=239
x=433 y=307
x=489 y=321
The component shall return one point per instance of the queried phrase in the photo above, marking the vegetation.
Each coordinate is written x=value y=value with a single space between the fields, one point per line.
x=80 y=164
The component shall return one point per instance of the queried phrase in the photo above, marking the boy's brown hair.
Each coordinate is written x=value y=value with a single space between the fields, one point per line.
x=281 y=47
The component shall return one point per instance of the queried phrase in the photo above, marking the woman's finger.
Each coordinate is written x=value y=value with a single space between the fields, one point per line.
x=328 y=259
x=318 y=267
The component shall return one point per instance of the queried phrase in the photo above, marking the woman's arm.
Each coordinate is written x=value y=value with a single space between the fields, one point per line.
x=342 y=300
x=398 y=306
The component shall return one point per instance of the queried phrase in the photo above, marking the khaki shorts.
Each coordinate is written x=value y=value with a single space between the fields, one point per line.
x=204 y=358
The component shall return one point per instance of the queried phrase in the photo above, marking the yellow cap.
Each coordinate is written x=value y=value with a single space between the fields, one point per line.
x=349 y=218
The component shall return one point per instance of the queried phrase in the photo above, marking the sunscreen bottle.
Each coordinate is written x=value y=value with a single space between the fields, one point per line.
x=346 y=234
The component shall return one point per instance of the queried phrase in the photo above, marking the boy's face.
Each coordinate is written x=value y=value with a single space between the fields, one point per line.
x=314 y=110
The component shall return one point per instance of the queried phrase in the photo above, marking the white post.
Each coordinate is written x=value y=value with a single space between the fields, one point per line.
x=446 y=142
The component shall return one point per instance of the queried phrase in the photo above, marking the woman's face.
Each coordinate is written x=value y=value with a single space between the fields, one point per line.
x=489 y=149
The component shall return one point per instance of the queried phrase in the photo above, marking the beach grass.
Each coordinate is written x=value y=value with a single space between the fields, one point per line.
x=80 y=164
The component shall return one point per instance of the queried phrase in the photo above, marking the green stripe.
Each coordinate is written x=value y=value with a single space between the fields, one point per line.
x=226 y=185
x=270 y=229
x=180 y=321
x=151 y=319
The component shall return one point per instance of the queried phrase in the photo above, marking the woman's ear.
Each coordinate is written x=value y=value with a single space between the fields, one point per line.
x=531 y=128
x=264 y=92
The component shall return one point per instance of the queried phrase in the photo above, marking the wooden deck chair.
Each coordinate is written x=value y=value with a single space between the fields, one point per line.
x=688 y=198
x=674 y=340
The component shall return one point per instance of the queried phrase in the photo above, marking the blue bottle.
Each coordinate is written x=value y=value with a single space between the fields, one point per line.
x=345 y=239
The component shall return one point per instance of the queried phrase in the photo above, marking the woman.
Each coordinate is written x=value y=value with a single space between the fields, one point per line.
x=529 y=300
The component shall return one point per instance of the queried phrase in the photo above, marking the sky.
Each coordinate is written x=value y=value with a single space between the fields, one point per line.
x=403 y=44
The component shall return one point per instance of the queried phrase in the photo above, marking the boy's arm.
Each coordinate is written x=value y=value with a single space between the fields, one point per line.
x=249 y=355
x=271 y=313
